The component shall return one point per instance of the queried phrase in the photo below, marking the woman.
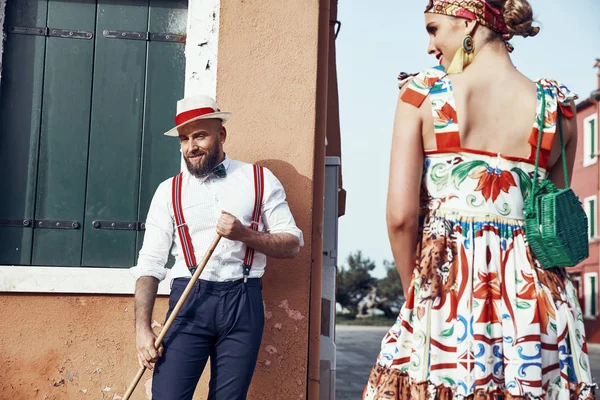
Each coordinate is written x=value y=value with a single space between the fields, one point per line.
x=482 y=318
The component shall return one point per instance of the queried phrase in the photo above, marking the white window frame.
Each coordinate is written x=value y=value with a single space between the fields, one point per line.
x=590 y=155
x=26 y=279
x=201 y=48
x=588 y=291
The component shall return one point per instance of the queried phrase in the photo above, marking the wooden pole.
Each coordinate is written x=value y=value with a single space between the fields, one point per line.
x=174 y=313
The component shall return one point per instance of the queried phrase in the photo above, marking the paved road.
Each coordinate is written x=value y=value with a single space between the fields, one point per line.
x=357 y=348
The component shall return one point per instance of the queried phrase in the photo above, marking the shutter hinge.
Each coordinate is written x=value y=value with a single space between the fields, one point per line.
x=39 y=223
x=55 y=224
x=50 y=32
x=119 y=225
x=147 y=36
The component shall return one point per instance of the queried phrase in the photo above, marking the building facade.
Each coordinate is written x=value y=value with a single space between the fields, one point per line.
x=586 y=183
x=87 y=88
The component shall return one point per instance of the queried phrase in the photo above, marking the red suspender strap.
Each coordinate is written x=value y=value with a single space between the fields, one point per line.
x=259 y=188
x=184 y=234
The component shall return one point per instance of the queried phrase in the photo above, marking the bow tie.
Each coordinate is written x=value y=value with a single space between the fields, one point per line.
x=220 y=171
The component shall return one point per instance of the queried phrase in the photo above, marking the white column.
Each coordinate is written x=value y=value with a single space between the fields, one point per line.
x=201 y=47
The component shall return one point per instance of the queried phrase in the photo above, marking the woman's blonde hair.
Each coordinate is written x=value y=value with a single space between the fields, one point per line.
x=518 y=16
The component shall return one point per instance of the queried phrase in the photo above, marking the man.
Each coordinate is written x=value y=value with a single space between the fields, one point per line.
x=224 y=316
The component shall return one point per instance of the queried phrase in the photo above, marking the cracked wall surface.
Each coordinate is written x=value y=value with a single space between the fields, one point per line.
x=201 y=48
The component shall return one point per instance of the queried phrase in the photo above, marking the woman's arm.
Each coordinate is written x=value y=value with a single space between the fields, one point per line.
x=406 y=168
x=570 y=134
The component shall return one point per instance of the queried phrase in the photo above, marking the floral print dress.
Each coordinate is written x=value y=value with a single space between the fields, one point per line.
x=482 y=319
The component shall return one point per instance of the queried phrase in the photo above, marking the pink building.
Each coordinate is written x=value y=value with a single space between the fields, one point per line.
x=586 y=183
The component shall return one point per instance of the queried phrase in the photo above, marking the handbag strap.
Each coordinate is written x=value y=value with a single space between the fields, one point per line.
x=563 y=150
x=542 y=118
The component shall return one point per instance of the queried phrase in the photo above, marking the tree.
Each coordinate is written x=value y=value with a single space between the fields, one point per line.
x=355 y=281
x=389 y=291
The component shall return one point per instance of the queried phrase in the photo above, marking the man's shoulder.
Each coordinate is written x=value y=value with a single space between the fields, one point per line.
x=167 y=182
x=246 y=168
x=241 y=168
x=166 y=185
x=239 y=165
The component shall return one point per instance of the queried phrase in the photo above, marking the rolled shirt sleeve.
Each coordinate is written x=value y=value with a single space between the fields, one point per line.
x=158 y=236
x=276 y=213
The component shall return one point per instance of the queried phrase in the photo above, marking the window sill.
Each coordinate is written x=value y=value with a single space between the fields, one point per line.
x=25 y=279
x=589 y=161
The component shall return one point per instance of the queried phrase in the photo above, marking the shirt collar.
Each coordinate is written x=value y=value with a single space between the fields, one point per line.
x=226 y=162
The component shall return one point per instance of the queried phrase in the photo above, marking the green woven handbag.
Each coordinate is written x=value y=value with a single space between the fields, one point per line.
x=556 y=225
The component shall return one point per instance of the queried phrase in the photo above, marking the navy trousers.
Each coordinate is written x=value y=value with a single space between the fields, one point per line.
x=223 y=320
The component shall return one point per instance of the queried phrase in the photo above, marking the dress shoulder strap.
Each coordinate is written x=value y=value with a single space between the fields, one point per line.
x=558 y=97
x=433 y=83
x=445 y=117
x=420 y=86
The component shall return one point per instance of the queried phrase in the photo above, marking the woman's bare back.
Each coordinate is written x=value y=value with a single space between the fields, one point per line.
x=495 y=114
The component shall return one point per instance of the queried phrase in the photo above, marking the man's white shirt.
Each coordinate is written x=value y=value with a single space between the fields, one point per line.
x=202 y=202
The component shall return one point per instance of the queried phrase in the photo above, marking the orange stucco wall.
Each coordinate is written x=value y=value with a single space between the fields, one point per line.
x=270 y=75
x=68 y=347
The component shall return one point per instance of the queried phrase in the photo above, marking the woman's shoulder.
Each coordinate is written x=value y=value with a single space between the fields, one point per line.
x=559 y=94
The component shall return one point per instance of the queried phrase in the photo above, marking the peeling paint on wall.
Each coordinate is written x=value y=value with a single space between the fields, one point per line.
x=268 y=314
x=271 y=349
x=293 y=314
x=201 y=47
x=2 y=36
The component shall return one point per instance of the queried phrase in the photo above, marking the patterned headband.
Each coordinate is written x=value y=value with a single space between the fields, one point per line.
x=476 y=10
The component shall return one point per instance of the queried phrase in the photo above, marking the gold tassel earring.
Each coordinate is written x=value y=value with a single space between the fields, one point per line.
x=464 y=55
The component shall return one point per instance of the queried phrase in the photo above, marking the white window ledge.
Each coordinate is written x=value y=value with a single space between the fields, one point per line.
x=25 y=279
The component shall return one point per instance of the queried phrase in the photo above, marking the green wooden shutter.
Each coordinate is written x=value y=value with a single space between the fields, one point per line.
x=20 y=116
x=129 y=156
x=592 y=217
x=593 y=150
x=164 y=87
x=594 y=296
x=64 y=139
x=115 y=134
x=89 y=115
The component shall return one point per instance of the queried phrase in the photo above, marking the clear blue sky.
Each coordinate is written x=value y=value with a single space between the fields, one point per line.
x=378 y=40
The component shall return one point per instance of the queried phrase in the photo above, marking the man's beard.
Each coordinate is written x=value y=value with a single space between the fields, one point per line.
x=209 y=161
